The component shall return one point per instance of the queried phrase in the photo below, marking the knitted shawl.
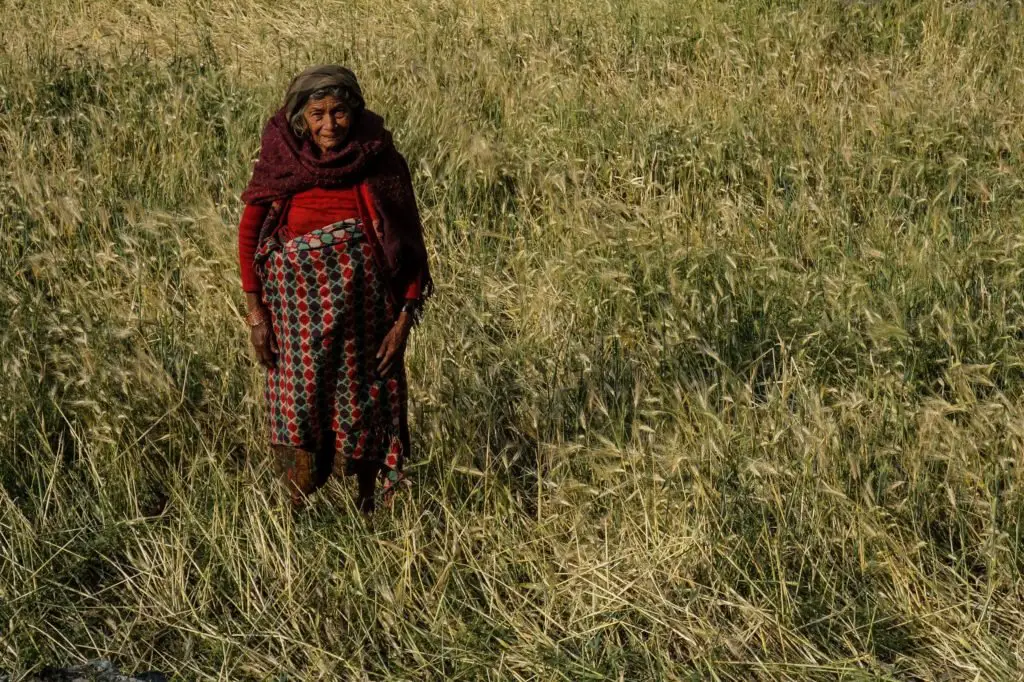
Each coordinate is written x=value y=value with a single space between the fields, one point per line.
x=288 y=164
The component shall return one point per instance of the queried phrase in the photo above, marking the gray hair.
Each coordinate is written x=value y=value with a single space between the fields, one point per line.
x=353 y=101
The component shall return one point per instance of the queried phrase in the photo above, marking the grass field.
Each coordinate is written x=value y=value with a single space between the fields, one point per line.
x=723 y=379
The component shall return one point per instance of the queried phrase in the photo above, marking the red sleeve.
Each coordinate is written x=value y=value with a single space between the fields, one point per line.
x=248 y=235
x=412 y=292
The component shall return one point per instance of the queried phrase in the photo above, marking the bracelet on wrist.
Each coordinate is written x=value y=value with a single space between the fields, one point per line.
x=257 y=316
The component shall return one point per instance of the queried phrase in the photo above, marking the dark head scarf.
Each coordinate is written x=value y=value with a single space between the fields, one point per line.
x=317 y=78
x=289 y=164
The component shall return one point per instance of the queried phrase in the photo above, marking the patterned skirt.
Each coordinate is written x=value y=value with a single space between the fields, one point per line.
x=330 y=311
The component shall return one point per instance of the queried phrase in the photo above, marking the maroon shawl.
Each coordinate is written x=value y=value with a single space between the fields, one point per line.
x=288 y=164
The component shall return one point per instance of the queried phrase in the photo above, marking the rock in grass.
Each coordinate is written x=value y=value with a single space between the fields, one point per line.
x=94 y=671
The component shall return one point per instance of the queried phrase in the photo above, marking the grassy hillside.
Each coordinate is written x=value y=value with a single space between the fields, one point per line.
x=723 y=379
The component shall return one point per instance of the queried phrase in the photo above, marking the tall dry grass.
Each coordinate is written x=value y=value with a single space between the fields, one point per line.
x=723 y=379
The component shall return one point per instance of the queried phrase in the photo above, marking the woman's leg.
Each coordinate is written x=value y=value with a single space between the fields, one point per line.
x=366 y=479
x=298 y=471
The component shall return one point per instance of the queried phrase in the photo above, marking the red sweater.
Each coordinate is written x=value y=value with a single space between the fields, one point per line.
x=307 y=211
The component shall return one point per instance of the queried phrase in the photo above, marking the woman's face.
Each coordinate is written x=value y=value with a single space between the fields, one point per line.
x=328 y=121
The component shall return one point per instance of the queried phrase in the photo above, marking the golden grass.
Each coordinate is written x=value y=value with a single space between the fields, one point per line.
x=723 y=378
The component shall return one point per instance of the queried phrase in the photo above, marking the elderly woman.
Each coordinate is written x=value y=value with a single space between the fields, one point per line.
x=335 y=272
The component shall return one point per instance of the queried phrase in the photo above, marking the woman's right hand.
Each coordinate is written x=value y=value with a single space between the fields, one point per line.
x=263 y=341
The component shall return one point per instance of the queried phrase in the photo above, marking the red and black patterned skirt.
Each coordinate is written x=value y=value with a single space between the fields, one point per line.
x=330 y=311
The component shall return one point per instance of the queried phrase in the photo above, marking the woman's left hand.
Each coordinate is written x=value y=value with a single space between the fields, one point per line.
x=394 y=344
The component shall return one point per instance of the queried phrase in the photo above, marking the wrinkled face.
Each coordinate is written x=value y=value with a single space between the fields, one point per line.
x=328 y=121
